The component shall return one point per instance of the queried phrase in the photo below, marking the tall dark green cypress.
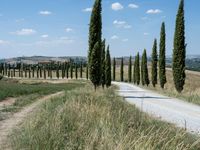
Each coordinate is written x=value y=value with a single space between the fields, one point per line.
x=122 y=70
x=162 y=70
x=114 y=68
x=108 y=68
x=145 y=67
x=179 y=52
x=76 y=71
x=81 y=70
x=103 y=64
x=154 y=64
x=134 y=70
x=71 y=70
x=130 y=70
x=142 y=70
x=87 y=72
x=137 y=69
x=95 y=44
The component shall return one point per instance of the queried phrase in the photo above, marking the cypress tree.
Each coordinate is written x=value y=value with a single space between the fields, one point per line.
x=162 y=70
x=76 y=71
x=114 y=68
x=95 y=66
x=108 y=68
x=33 y=71
x=14 y=71
x=45 y=76
x=71 y=70
x=67 y=70
x=122 y=70
x=137 y=69
x=87 y=72
x=134 y=70
x=130 y=70
x=95 y=44
x=40 y=71
x=81 y=70
x=37 y=71
x=145 y=67
x=154 y=62
x=142 y=70
x=29 y=72
x=57 y=71
x=179 y=52
x=95 y=28
x=103 y=64
x=63 y=71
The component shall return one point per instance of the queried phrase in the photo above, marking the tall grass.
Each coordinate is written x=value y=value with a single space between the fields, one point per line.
x=84 y=119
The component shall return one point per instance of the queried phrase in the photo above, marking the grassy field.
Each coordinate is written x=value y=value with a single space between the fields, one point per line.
x=84 y=119
x=191 y=92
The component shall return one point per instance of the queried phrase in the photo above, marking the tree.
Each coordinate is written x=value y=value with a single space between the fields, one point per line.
x=122 y=70
x=94 y=54
x=103 y=64
x=81 y=70
x=95 y=28
x=162 y=70
x=137 y=69
x=45 y=75
x=145 y=68
x=142 y=70
x=87 y=72
x=114 y=67
x=108 y=68
x=130 y=70
x=179 y=52
x=134 y=70
x=76 y=71
x=154 y=63
x=95 y=66
x=71 y=70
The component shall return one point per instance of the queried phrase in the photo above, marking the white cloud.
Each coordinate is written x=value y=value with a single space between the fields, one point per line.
x=125 y=40
x=87 y=10
x=24 y=32
x=116 y=6
x=68 y=29
x=45 y=13
x=2 y=42
x=44 y=36
x=146 y=33
x=133 y=6
x=114 y=37
x=154 y=11
x=122 y=24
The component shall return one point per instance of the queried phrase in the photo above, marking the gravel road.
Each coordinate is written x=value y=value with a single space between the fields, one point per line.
x=172 y=110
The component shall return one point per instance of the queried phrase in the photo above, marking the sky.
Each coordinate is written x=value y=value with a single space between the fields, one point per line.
x=60 y=27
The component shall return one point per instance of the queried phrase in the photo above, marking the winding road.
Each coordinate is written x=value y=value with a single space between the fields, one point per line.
x=178 y=112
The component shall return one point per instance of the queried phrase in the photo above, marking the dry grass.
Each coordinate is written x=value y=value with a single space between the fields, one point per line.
x=84 y=119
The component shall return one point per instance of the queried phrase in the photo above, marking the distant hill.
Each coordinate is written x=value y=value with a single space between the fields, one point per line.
x=192 y=61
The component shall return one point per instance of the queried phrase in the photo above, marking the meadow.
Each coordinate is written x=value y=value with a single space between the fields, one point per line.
x=84 y=119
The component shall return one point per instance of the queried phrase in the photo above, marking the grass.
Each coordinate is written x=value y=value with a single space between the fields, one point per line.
x=13 y=88
x=84 y=119
x=191 y=92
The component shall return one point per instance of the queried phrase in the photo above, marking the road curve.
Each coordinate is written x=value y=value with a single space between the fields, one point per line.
x=172 y=110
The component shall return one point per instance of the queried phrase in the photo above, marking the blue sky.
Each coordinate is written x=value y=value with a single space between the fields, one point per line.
x=60 y=27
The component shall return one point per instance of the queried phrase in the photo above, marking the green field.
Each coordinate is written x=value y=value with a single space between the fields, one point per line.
x=84 y=119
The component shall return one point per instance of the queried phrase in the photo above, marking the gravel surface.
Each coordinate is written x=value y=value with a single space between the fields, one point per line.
x=172 y=110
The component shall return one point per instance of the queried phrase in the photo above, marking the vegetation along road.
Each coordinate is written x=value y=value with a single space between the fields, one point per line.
x=172 y=110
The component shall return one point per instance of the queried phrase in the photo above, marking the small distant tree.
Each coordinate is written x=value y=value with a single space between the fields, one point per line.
x=45 y=75
x=87 y=72
x=114 y=68
x=134 y=70
x=142 y=70
x=81 y=70
x=76 y=71
x=29 y=72
x=71 y=70
x=37 y=71
x=108 y=68
x=154 y=66
x=58 y=71
x=33 y=72
x=179 y=52
x=122 y=70
x=40 y=71
x=130 y=70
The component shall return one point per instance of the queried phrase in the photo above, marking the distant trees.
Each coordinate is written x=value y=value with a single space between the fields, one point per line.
x=122 y=70
x=162 y=51
x=108 y=68
x=95 y=43
x=130 y=70
x=137 y=69
x=154 y=64
x=179 y=51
